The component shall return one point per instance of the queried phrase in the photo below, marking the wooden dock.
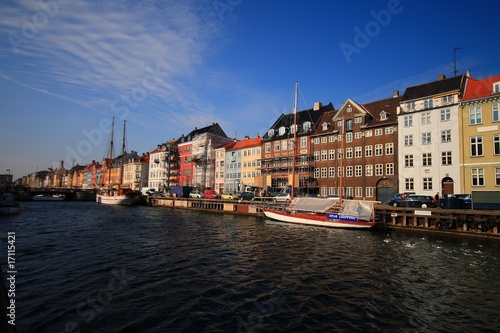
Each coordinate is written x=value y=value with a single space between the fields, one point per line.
x=484 y=223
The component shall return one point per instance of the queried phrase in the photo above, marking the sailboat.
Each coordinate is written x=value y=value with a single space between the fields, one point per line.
x=119 y=195
x=325 y=212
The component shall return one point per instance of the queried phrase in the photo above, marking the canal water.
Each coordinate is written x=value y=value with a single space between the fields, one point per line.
x=83 y=267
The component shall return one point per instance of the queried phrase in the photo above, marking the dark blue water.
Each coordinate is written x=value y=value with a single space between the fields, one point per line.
x=85 y=267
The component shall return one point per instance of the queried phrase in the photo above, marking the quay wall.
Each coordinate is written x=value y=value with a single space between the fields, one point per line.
x=470 y=222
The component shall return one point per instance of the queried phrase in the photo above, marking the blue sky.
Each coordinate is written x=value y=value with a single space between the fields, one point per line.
x=68 y=66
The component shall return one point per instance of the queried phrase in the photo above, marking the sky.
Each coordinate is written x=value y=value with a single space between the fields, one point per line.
x=68 y=67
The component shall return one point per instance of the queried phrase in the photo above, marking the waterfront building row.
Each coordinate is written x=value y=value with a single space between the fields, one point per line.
x=440 y=136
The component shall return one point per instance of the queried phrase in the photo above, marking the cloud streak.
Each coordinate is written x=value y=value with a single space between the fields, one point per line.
x=95 y=52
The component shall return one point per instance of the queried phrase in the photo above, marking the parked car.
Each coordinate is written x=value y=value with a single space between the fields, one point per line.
x=282 y=197
x=195 y=194
x=246 y=196
x=399 y=196
x=466 y=198
x=229 y=196
x=210 y=194
x=415 y=200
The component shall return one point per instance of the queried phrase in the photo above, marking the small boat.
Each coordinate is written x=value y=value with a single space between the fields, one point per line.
x=326 y=212
x=121 y=196
x=9 y=205
x=49 y=197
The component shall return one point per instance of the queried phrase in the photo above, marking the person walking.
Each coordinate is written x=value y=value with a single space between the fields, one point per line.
x=436 y=196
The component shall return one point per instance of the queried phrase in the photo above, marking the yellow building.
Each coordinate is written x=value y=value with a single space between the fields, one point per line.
x=480 y=127
x=250 y=162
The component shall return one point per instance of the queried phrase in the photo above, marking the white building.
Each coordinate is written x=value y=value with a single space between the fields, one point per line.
x=428 y=135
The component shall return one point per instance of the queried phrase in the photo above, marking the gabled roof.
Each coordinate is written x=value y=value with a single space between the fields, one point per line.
x=303 y=116
x=214 y=129
x=435 y=88
x=388 y=105
x=481 y=88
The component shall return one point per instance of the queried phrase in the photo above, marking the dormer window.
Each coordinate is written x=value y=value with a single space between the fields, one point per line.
x=324 y=126
x=383 y=115
x=349 y=108
x=496 y=87
x=281 y=130
x=270 y=133
x=307 y=126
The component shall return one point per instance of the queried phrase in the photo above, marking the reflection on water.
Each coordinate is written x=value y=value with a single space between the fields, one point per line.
x=99 y=268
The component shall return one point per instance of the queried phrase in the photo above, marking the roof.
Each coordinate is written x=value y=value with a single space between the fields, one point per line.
x=214 y=129
x=476 y=89
x=434 y=88
x=388 y=105
x=246 y=143
x=287 y=121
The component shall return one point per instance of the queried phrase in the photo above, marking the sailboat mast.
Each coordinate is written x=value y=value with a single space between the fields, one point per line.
x=111 y=148
x=341 y=173
x=292 y=194
x=123 y=153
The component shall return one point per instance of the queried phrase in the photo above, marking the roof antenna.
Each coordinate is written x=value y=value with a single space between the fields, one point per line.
x=455 y=70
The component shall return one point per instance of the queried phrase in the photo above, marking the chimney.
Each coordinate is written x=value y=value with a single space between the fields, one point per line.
x=395 y=93
x=441 y=77
x=317 y=106
x=467 y=73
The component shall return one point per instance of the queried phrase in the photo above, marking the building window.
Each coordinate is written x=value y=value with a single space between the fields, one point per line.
x=496 y=87
x=315 y=141
x=378 y=132
x=496 y=144
x=316 y=172
x=358 y=135
x=358 y=152
x=445 y=115
x=290 y=144
x=389 y=148
x=426 y=138
x=383 y=115
x=475 y=116
x=409 y=184
x=389 y=169
x=447 y=99
x=446 y=157
x=323 y=139
x=348 y=171
x=348 y=137
x=426 y=118
x=316 y=155
x=324 y=155
x=427 y=183
x=389 y=130
x=349 y=125
x=331 y=154
x=368 y=151
x=446 y=136
x=276 y=145
x=369 y=170
x=307 y=126
x=476 y=146
x=281 y=130
x=379 y=169
x=408 y=161
x=408 y=121
x=369 y=192
x=495 y=116
x=410 y=106
x=331 y=138
x=303 y=142
x=427 y=159
x=340 y=172
x=339 y=154
x=379 y=150
x=357 y=120
x=428 y=103
x=358 y=170
x=408 y=140
x=331 y=172
x=348 y=153
x=497 y=176
x=323 y=172
x=368 y=134
x=358 y=192
x=477 y=176
x=284 y=144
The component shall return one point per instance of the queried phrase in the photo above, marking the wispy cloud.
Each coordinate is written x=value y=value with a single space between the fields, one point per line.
x=142 y=54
